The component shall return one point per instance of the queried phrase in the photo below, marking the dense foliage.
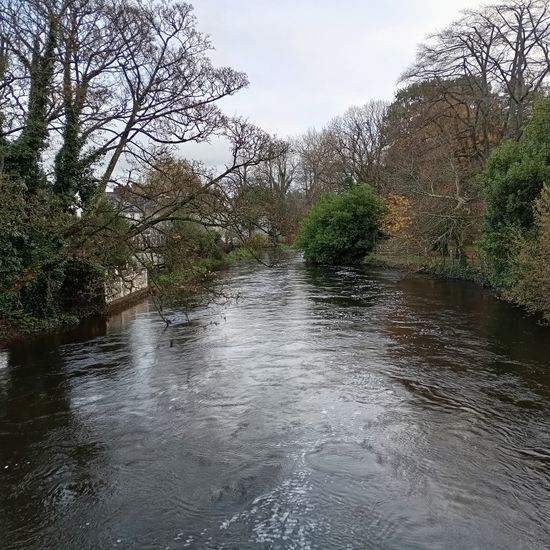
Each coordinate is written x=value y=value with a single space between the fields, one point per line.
x=341 y=229
x=44 y=276
x=514 y=177
x=530 y=269
x=94 y=99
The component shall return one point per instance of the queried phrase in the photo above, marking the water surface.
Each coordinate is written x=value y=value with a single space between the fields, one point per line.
x=325 y=409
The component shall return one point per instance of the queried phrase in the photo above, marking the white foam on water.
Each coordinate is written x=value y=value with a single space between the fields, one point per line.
x=281 y=515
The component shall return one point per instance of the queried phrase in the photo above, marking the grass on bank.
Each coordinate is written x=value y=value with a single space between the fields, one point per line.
x=428 y=265
x=257 y=247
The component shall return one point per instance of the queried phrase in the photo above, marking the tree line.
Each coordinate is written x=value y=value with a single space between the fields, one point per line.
x=98 y=97
x=460 y=156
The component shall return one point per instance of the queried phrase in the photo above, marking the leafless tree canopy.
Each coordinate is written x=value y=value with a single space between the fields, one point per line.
x=500 y=51
x=357 y=141
x=317 y=165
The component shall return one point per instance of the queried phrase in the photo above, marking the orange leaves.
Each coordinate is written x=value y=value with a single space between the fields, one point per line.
x=397 y=218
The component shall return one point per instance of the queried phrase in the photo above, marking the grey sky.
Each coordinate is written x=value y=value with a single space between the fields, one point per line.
x=309 y=60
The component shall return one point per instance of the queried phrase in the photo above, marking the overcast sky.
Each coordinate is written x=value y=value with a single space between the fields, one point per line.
x=309 y=60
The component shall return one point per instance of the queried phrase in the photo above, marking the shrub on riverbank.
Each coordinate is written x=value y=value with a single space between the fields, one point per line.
x=259 y=249
x=514 y=178
x=342 y=228
x=250 y=249
x=530 y=266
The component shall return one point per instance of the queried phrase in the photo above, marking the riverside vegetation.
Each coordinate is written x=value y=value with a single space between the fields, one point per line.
x=451 y=177
x=95 y=98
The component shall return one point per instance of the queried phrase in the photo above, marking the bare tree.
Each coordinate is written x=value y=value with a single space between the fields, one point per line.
x=120 y=80
x=265 y=198
x=500 y=50
x=432 y=161
x=94 y=94
x=357 y=140
x=279 y=174
x=318 y=167
x=473 y=85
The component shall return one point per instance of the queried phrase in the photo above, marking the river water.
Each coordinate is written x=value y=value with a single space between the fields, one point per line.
x=324 y=409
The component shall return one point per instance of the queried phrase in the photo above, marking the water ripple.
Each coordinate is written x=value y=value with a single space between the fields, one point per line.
x=326 y=409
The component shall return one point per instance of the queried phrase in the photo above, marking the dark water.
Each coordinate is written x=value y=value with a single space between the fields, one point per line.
x=327 y=409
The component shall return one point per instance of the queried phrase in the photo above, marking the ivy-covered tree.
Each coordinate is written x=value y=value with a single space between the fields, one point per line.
x=27 y=65
x=92 y=94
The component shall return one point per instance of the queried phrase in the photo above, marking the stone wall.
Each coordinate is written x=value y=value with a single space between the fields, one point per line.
x=125 y=283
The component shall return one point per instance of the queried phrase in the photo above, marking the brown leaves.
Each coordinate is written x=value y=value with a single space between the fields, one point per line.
x=398 y=217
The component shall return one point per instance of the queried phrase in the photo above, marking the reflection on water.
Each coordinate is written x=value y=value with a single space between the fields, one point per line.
x=328 y=409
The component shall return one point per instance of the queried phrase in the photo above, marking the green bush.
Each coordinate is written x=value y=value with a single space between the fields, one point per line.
x=341 y=229
x=513 y=179
x=250 y=249
x=188 y=242
x=529 y=269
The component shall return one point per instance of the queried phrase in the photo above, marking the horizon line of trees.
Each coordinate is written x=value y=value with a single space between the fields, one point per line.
x=463 y=140
x=100 y=95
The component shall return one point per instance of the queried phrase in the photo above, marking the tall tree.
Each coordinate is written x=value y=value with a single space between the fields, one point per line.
x=318 y=166
x=93 y=93
x=500 y=49
x=29 y=33
x=432 y=160
x=514 y=177
x=358 y=142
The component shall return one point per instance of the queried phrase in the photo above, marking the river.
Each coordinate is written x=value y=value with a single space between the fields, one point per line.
x=324 y=409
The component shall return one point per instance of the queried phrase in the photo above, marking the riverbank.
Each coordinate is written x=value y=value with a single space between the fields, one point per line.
x=429 y=266
x=13 y=331
x=443 y=270
x=184 y=286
